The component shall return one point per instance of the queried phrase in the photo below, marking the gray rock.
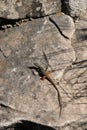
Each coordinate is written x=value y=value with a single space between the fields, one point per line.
x=80 y=40
x=23 y=96
x=64 y=24
x=73 y=84
x=14 y=9
x=75 y=125
x=74 y=79
x=75 y=8
x=74 y=97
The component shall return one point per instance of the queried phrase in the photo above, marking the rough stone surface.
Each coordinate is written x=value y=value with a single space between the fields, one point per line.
x=26 y=102
x=75 y=8
x=65 y=24
x=22 y=89
x=75 y=80
x=14 y=9
x=80 y=40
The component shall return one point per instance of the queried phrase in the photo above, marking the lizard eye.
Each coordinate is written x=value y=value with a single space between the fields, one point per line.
x=35 y=64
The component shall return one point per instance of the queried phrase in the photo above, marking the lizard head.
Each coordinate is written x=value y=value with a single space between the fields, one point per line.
x=39 y=68
x=37 y=65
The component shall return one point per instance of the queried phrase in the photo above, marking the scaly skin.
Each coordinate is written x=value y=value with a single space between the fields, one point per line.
x=45 y=75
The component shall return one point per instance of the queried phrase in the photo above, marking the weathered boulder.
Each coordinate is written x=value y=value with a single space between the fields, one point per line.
x=26 y=102
x=23 y=96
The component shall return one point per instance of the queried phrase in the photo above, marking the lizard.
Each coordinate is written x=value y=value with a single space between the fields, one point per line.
x=45 y=75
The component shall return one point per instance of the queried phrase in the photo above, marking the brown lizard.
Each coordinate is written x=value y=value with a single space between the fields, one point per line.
x=45 y=75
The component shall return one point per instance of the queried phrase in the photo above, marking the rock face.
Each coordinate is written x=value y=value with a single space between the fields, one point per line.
x=14 y=9
x=21 y=47
x=26 y=102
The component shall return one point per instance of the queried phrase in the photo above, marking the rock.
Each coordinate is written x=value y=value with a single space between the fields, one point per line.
x=75 y=125
x=3 y=66
x=64 y=24
x=26 y=97
x=75 y=8
x=16 y=9
x=75 y=95
x=80 y=40
x=74 y=79
x=26 y=102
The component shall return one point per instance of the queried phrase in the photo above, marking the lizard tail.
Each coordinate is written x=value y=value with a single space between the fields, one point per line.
x=60 y=103
x=58 y=93
x=59 y=100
